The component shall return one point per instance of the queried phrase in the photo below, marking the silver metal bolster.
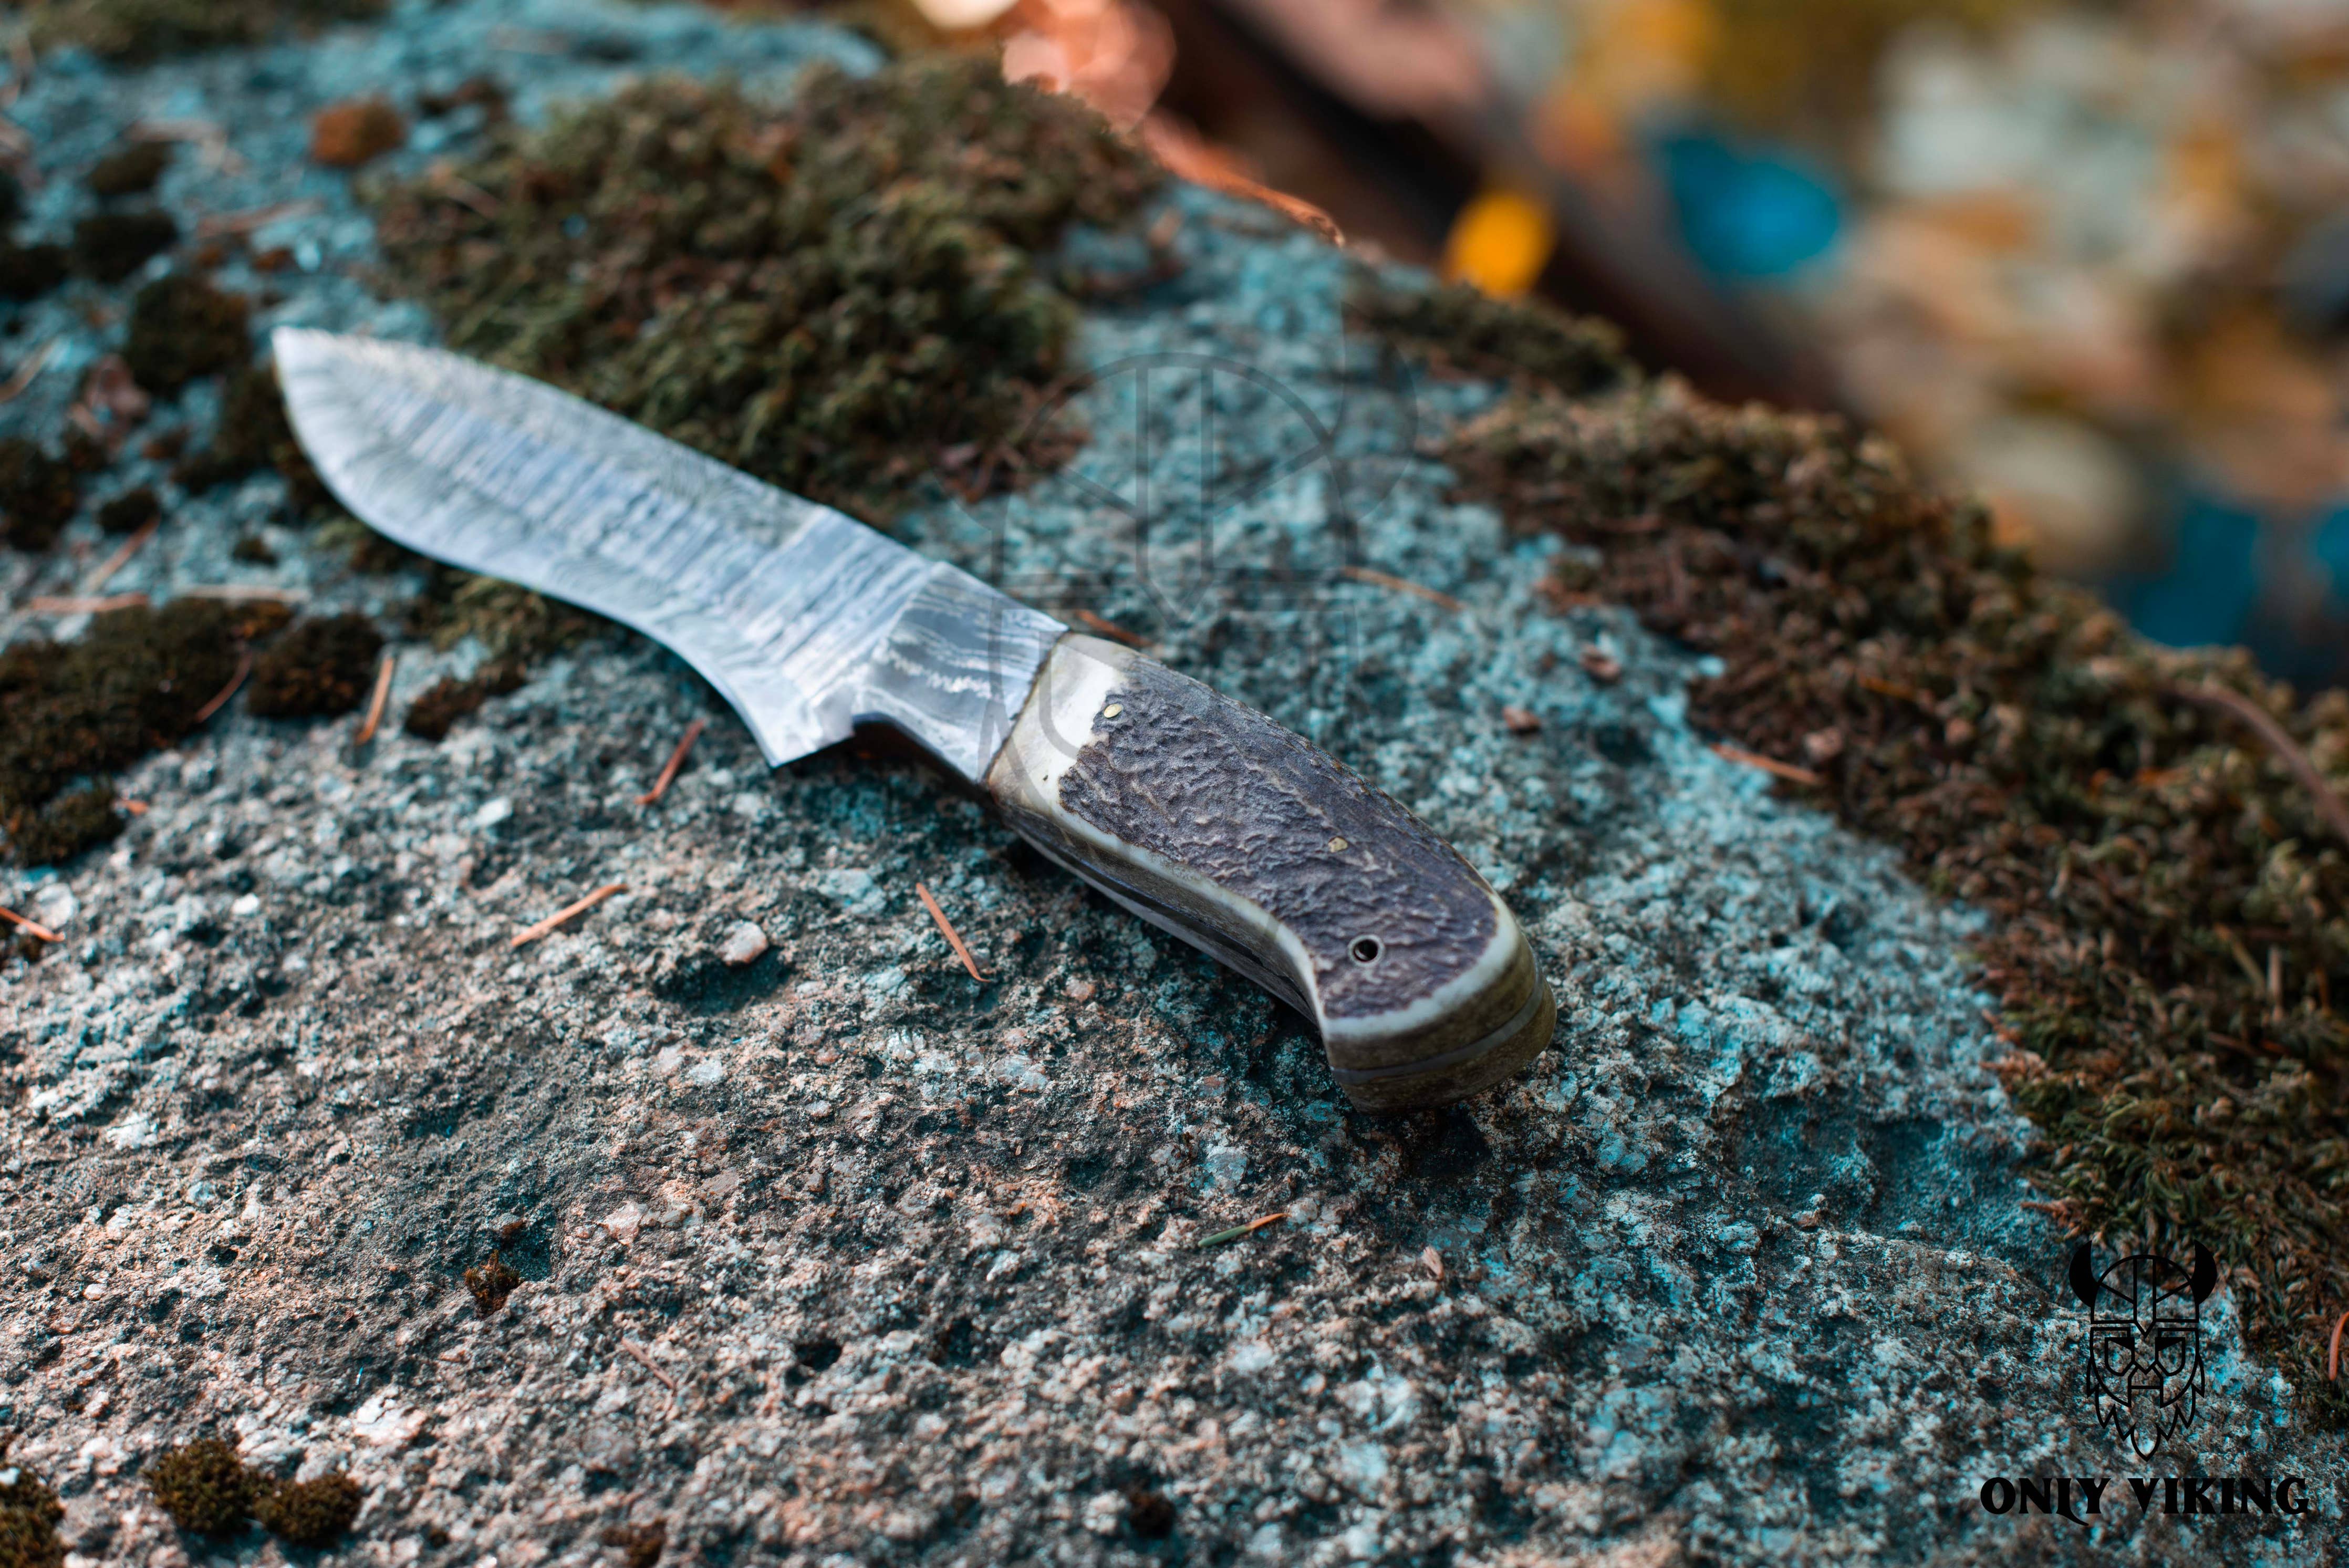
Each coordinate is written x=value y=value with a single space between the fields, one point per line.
x=957 y=667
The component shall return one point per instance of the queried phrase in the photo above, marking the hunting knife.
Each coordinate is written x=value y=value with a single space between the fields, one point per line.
x=1194 y=812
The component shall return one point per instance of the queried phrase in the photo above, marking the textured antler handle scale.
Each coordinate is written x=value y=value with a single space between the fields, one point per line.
x=1206 y=818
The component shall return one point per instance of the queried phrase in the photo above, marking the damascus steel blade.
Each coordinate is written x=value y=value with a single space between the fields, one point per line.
x=807 y=621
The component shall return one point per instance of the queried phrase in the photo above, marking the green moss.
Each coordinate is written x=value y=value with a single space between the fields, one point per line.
x=491 y=1283
x=131 y=511
x=313 y=1514
x=183 y=327
x=110 y=246
x=37 y=495
x=436 y=711
x=252 y=433
x=28 y=272
x=1461 y=328
x=29 y=1515
x=78 y=820
x=204 y=1487
x=131 y=170
x=2147 y=864
x=140 y=30
x=827 y=296
x=319 y=669
x=509 y=621
x=639 y=1545
x=134 y=682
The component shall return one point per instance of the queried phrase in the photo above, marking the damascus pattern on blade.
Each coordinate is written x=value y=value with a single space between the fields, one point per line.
x=804 y=619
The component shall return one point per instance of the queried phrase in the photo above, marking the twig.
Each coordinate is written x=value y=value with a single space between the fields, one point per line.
x=1108 y=628
x=2262 y=723
x=244 y=669
x=676 y=760
x=235 y=592
x=14 y=388
x=1236 y=1232
x=465 y=192
x=375 y=703
x=1387 y=580
x=1770 y=765
x=253 y=218
x=135 y=807
x=121 y=557
x=633 y=1348
x=2333 y=1371
x=954 y=939
x=47 y=935
x=69 y=604
x=554 y=921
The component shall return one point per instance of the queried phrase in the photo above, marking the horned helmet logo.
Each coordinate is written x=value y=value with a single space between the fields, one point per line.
x=2144 y=1343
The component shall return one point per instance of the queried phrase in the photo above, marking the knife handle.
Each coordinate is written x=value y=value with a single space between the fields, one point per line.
x=1209 y=820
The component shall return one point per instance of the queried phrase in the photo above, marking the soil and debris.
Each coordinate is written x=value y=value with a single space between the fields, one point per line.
x=109 y=247
x=131 y=170
x=183 y=327
x=38 y=494
x=841 y=1254
x=131 y=511
x=435 y=710
x=491 y=1283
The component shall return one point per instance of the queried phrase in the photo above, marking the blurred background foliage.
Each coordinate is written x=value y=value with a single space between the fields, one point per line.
x=2088 y=259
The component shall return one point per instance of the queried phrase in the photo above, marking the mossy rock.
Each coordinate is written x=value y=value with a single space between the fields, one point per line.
x=2167 y=892
x=827 y=295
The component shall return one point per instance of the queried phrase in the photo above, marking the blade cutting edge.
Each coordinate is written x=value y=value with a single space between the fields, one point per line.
x=805 y=620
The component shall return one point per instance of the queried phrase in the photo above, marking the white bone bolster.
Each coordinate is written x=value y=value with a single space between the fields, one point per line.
x=1206 y=818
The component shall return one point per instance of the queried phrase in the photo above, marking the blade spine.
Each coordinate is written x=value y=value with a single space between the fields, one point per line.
x=460 y=481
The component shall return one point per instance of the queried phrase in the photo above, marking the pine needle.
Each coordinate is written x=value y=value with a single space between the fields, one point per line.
x=569 y=912
x=953 y=938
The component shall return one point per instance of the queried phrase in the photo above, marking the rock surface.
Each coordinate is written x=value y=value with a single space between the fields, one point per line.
x=838 y=1254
